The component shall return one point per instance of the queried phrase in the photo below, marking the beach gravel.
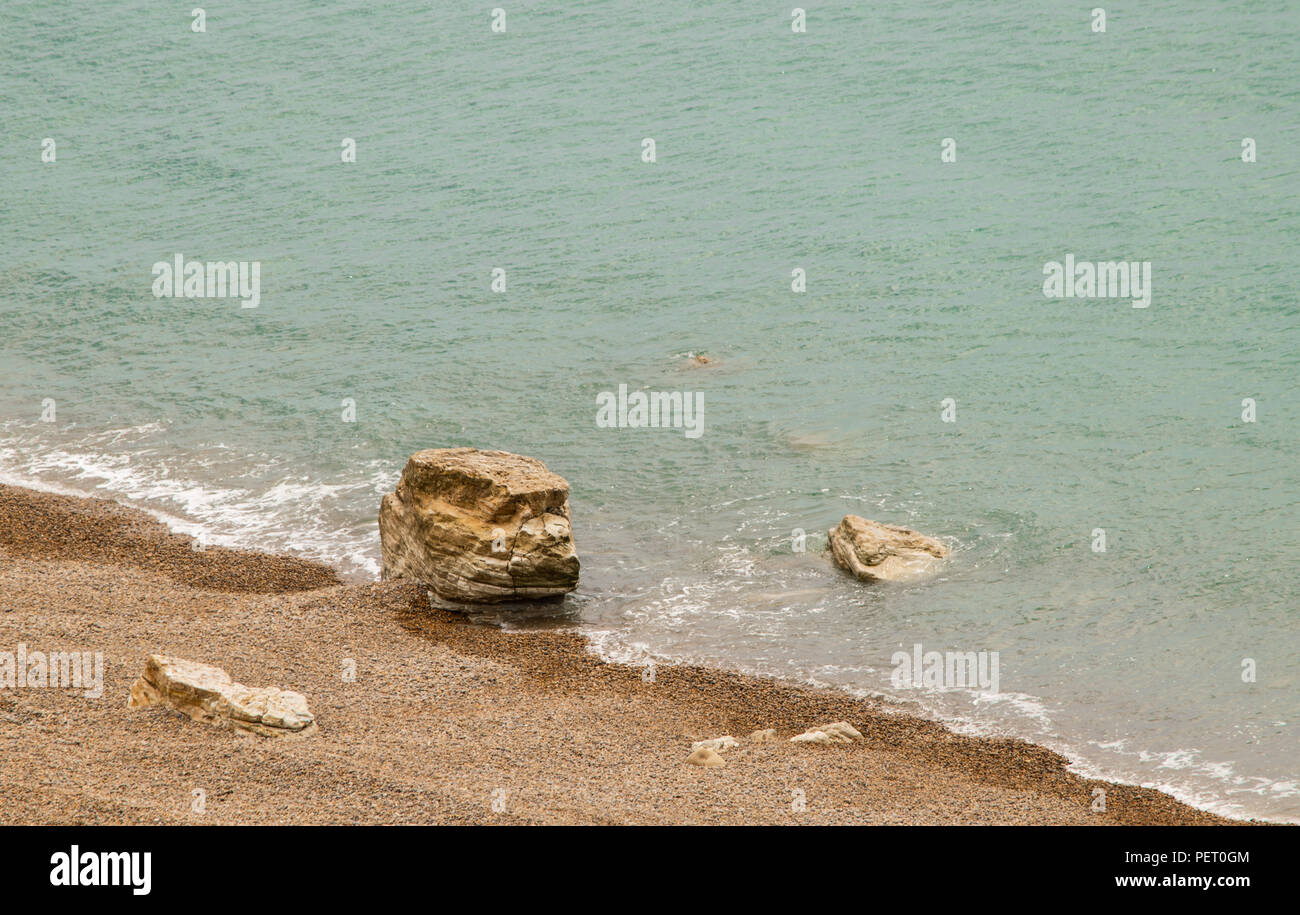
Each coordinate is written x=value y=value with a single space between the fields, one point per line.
x=424 y=717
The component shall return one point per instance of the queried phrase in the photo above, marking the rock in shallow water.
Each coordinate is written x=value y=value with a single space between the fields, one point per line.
x=881 y=552
x=207 y=693
x=479 y=526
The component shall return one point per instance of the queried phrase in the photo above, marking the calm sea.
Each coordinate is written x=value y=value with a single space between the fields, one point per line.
x=774 y=152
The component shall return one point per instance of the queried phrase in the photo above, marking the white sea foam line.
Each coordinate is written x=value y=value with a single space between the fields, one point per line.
x=1192 y=796
x=233 y=516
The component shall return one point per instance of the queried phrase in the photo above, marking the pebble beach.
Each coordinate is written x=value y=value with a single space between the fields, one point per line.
x=427 y=718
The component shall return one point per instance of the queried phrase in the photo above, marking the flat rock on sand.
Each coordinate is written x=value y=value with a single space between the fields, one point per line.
x=207 y=693
x=836 y=732
x=706 y=757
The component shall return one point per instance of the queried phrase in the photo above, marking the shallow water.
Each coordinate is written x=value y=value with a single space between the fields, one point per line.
x=775 y=151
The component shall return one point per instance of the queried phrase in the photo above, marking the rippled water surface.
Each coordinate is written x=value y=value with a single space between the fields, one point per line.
x=774 y=151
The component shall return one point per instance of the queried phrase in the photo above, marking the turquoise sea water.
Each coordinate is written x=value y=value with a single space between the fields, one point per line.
x=775 y=151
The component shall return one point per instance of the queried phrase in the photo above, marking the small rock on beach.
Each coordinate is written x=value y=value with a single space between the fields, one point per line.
x=705 y=757
x=836 y=732
x=207 y=693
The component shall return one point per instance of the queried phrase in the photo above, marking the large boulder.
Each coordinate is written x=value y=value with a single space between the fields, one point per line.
x=207 y=693
x=881 y=552
x=479 y=526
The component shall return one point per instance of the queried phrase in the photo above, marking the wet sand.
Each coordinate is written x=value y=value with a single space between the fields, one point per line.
x=446 y=721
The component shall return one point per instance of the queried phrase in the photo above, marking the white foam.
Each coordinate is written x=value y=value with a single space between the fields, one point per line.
x=295 y=514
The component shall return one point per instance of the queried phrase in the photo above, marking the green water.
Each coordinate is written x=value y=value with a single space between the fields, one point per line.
x=774 y=151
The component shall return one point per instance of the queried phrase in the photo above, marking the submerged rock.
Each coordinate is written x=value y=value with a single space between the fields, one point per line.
x=881 y=552
x=716 y=744
x=207 y=693
x=479 y=526
x=836 y=732
x=764 y=736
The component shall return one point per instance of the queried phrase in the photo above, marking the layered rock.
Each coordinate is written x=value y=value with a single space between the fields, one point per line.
x=479 y=526
x=207 y=693
x=882 y=552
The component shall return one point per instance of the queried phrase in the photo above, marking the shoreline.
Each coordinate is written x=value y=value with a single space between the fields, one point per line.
x=446 y=721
